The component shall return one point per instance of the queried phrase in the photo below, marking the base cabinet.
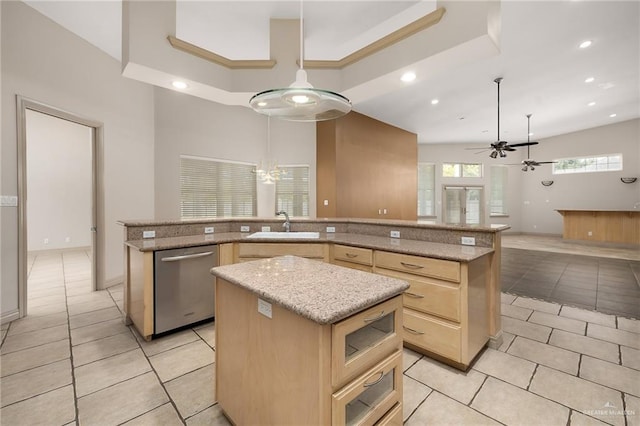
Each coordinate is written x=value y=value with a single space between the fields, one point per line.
x=288 y=370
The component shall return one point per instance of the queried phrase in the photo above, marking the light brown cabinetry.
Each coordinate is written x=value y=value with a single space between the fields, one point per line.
x=365 y=168
x=445 y=307
x=349 y=372
x=352 y=257
x=244 y=252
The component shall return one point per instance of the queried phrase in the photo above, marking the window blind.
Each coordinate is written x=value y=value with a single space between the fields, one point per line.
x=498 y=202
x=292 y=191
x=215 y=188
x=426 y=189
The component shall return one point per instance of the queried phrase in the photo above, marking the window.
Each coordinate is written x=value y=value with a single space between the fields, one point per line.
x=426 y=189
x=215 y=188
x=465 y=170
x=292 y=191
x=599 y=163
x=498 y=188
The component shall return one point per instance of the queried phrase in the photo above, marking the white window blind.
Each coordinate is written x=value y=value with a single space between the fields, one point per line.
x=292 y=191
x=426 y=189
x=215 y=188
x=498 y=203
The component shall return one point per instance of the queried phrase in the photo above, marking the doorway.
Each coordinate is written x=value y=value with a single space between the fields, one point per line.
x=59 y=189
x=463 y=205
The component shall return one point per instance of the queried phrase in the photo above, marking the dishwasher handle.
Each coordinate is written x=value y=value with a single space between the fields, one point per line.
x=186 y=256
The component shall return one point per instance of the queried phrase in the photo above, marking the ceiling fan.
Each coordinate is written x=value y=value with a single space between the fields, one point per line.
x=530 y=164
x=500 y=147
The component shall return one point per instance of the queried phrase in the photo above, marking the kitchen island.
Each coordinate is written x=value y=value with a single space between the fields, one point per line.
x=611 y=226
x=304 y=342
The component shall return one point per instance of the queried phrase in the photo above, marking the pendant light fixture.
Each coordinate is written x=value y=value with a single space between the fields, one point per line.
x=268 y=171
x=301 y=101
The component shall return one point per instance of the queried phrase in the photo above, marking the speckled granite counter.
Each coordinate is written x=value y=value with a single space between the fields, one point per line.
x=419 y=248
x=318 y=291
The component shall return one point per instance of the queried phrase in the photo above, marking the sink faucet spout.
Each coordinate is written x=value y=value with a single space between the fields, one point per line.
x=287 y=224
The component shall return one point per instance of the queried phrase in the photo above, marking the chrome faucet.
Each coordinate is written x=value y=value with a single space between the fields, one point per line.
x=287 y=224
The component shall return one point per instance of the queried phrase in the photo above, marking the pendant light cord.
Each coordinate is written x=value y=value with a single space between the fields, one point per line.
x=301 y=36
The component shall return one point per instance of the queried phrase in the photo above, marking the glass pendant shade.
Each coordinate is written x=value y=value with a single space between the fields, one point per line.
x=300 y=102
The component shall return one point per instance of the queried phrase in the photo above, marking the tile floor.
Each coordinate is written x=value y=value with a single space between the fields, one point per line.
x=72 y=361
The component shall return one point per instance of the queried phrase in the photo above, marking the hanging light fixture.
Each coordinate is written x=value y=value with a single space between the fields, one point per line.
x=268 y=171
x=301 y=101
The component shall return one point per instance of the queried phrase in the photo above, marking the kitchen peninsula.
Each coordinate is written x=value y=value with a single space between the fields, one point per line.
x=611 y=226
x=451 y=310
x=300 y=341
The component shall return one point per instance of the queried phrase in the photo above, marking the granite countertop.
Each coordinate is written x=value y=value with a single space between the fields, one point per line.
x=318 y=291
x=398 y=245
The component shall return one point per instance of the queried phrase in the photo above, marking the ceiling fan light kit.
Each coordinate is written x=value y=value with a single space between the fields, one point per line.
x=301 y=101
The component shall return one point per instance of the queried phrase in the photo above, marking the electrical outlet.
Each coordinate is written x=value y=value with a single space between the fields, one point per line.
x=8 y=201
x=208 y=230
x=394 y=234
x=264 y=308
x=590 y=234
x=46 y=241
x=325 y=202
x=67 y=240
x=148 y=234
x=331 y=229
x=266 y=229
x=245 y=228
x=468 y=241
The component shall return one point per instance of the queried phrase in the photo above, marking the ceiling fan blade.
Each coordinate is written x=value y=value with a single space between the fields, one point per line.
x=546 y=162
x=523 y=144
x=509 y=148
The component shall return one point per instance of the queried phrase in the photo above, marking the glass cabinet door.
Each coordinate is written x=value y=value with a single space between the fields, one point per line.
x=361 y=340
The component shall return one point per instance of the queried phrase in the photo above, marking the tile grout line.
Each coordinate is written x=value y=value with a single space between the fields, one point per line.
x=73 y=369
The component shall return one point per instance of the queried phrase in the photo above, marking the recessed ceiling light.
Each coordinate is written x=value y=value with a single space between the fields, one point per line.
x=179 y=84
x=408 y=77
x=434 y=101
x=585 y=44
x=612 y=115
x=592 y=103
x=589 y=80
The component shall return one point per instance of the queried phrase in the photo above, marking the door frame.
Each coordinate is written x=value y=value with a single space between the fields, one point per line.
x=97 y=193
x=463 y=214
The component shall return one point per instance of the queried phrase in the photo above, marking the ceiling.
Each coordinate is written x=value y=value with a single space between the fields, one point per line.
x=543 y=68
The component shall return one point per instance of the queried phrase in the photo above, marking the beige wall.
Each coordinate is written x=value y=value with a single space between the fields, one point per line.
x=44 y=62
x=186 y=125
x=58 y=183
x=531 y=206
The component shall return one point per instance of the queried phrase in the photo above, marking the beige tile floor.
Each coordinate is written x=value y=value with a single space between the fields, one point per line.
x=72 y=361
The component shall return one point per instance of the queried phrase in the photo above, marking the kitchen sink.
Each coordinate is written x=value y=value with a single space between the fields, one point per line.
x=285 y=235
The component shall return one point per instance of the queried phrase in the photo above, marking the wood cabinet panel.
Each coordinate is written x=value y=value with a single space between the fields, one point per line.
x=438 y=336
x=261 y=250
x=426 y=266
x=360 y=255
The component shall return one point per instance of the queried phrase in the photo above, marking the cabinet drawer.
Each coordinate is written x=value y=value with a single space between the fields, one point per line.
x=259 y=250
x=361 y=340
x=432 y=334
x=436 y=297
x=368 y=398
x=353 y=254
x=426 y=266
x=352 y=265
x=393 y=417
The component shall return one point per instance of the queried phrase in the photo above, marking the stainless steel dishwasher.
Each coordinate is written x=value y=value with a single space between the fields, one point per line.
x=184 y=287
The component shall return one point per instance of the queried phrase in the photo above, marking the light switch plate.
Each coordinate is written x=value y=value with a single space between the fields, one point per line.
x=9 y=201
x=394 y=234
x=208 y=230
x=245 y=228
x=264 y=308
x=468 y=241
x=331 y=229
x=148 y=234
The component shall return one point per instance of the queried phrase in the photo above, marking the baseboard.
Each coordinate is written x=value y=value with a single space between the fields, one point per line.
x=11 y=316
x=58 y=250
x=113 y=281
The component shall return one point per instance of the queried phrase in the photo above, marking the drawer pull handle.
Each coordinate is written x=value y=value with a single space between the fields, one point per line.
x=411 y=265
x=411 y=330
x=351 y=255
x=366 y=385
x=374 y=318
x=415 y=296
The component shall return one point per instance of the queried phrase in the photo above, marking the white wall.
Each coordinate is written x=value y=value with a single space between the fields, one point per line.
x=531 y=206
x=58 y=183
x=44 y=62
x=187 y=125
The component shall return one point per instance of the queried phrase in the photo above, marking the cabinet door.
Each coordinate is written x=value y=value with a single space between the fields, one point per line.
x=367 y=399
x=362 y=339
x=432 y=334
